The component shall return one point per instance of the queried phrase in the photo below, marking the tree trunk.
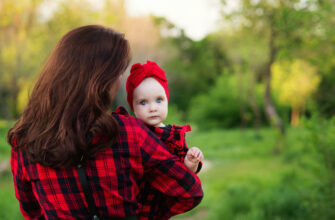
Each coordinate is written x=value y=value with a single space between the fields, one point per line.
x=241 y=97
x=15 y=88
x=294 y=117
x=253 y=102
x=270 y=109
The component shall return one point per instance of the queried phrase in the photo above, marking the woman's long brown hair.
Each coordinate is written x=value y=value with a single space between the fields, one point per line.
x=71 y=98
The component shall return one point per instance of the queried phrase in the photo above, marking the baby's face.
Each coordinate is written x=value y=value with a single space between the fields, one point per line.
x=150 y=102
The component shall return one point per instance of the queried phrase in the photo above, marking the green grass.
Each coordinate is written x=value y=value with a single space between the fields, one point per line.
x=233 y=144
x=4 y=147
x=9 y=206
x=247 y=158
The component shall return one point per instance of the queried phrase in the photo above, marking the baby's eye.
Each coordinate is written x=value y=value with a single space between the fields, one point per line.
x=159 y=100
x=143 y=102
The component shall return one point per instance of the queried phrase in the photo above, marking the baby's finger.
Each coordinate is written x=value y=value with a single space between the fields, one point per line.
x=200 y=156
x=194 y=152
x=190 y=155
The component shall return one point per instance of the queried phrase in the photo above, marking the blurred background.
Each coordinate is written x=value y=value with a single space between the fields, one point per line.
x=254 y=78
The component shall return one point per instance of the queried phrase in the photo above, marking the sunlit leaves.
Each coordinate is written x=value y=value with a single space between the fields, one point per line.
x=294 y=82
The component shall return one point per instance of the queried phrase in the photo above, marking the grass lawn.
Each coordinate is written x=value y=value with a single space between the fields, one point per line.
x=4 y=147
x=9 y=207
x=241 y=161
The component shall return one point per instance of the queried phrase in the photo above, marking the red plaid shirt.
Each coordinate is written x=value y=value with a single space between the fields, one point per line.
x=151 y=199
x=114 y=176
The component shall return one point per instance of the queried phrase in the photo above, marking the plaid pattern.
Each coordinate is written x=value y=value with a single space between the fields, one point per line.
x=114 y=176
x=174 y=138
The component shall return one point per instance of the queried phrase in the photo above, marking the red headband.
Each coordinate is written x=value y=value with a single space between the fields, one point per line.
x=138 y=73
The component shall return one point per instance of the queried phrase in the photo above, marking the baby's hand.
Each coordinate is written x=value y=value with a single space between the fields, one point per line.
x=194 y=155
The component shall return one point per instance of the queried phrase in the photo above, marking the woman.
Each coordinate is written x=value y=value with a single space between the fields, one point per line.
x=66 y=123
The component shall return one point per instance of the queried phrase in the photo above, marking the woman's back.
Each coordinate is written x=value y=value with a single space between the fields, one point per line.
x=113 y=174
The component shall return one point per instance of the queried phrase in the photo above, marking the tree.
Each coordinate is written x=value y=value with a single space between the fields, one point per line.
x=281 y=23
x=192 y=67
x=27 y=37
x=320 y=47
x=247 y=55
x=17 y=20
x=294 y=83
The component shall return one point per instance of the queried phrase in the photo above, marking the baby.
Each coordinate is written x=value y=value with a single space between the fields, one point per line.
x=147 y=96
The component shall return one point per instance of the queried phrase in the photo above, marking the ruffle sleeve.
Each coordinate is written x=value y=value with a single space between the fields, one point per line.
x=174 y=138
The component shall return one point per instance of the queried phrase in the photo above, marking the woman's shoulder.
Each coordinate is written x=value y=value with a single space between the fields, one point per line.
x=125 y=119
x=133 y=129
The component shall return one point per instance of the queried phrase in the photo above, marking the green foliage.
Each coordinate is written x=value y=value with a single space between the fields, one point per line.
x=174 y=116
x=26 y=39
x=302 y=30
x=320 y=147
x=324 y=96
x=314 y=152
x=248 y=180
x=9 y=206
x=256 y=201
x=194 y=67
x=4 y=147
x=221 y=106
x=293 y=30
x=294 y=82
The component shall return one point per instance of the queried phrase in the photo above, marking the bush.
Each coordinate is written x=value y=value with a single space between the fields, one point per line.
x=314 y=152
x=174 y=116
x=320 y=147
x=221 y=106
x=261 y=201
x=235 y=202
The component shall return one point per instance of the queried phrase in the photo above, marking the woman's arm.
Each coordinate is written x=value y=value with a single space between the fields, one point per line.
x=181 y=188
x=29 y=206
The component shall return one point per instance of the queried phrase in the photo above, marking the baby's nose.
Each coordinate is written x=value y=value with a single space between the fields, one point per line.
x=153 y=107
